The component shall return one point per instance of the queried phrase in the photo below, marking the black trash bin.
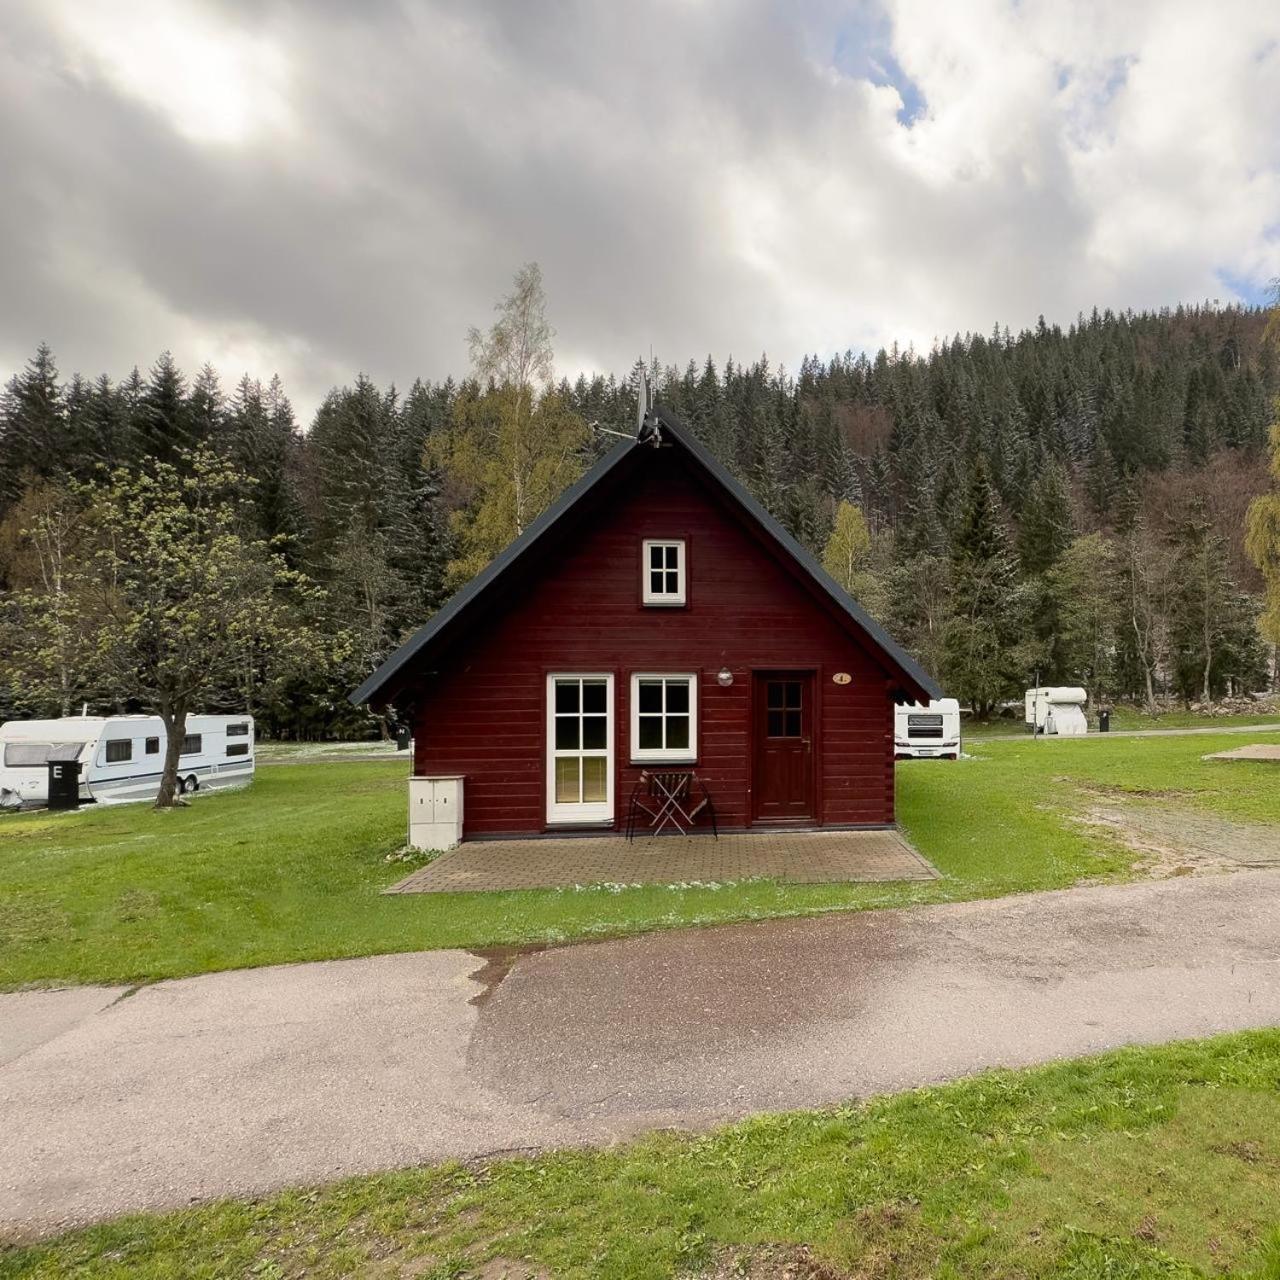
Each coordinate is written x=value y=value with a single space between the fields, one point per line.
x=403 y=737
x=1104 y=721
x=64 y=784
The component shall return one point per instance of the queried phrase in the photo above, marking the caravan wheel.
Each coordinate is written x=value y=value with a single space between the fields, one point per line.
x=193 y=783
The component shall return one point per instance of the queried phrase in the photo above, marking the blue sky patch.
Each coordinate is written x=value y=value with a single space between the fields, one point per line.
x=864 y=51
x=1254 y=292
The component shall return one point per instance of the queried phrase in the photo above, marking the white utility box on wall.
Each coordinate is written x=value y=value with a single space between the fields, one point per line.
x=435 y=812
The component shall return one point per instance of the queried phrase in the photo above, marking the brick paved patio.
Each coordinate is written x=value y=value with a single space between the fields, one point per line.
x=798 y=857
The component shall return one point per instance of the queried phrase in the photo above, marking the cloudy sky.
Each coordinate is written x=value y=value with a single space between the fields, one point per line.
x=325 y=187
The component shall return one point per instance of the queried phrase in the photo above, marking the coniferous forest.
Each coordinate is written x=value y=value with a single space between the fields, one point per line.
x=1070 y=502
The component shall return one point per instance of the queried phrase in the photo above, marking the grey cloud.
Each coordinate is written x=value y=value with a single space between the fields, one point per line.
x=693 y=177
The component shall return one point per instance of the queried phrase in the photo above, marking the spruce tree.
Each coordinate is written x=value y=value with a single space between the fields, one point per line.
x=985 y=643
x=33 y=427
x=1045 y=530
x=164 y=418
x=205 y=411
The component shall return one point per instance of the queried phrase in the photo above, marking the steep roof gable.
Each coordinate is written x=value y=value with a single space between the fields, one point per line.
x=661 y=427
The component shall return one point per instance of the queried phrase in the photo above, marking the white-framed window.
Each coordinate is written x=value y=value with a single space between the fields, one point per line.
x=664 y=717
x=580 y=748
x=664 y=571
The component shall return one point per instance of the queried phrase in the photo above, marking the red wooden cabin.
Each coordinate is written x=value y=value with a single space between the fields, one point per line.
x=655 y=617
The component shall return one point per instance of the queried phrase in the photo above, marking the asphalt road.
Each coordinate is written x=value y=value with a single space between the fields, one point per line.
x=239 y=1082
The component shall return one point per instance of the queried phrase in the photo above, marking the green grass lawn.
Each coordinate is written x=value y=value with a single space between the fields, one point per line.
x=1145 y=1163
x=291 y=868
x=1125 y=718
x=287 y=752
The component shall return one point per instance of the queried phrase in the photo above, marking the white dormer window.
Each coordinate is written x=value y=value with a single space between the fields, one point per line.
x=664 y=572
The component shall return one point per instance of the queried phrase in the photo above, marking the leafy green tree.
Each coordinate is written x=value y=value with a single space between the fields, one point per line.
x=1206 y=618
x=514 y=445
x=184 y=598
x=847 y=558
x=45 y=655
x=1262 y=540
x=1147 y=574
x=510 y=467
x=918 y=607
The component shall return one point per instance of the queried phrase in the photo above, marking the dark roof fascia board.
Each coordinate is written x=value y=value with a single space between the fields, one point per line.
x=461 y=601
x=830 y=589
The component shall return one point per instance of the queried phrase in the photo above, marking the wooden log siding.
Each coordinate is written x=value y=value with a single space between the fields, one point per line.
x=482 y=711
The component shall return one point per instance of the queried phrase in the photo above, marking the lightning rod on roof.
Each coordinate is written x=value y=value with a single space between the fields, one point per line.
x=642 y=399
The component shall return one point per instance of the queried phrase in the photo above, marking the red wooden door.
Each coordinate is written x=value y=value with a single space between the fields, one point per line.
x=783 y=784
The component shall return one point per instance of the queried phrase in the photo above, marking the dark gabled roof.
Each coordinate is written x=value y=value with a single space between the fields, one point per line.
x=897 y=655
x=663 y=420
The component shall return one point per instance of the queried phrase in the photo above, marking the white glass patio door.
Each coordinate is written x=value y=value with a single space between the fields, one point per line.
x=580 y=748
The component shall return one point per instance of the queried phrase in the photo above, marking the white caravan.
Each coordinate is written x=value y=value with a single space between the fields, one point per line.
x=121 y=757
x=1056 y=710
x=927 y=729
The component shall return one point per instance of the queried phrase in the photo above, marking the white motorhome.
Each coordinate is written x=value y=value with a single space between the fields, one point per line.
x=927 y=729
x=121 y=757
x=1056 y=711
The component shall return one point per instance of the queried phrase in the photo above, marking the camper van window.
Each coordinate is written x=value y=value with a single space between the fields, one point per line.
x=240 y=730
x=191 y=745
x=153 y=746
x=237 y=748
x=31 y=755
x=119 y=749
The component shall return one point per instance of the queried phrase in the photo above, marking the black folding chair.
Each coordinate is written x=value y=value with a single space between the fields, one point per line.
x=669 y=799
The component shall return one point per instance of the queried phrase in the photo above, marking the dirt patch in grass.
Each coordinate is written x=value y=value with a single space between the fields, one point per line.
x=26 y=923
x=1173 y=840
x=770 y=1262
x=1109 y=791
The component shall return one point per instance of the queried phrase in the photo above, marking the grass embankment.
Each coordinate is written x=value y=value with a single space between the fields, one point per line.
x=291 y=869
x=1142 y=1163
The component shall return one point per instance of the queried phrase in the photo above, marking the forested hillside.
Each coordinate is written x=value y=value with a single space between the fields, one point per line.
x=1071 y=501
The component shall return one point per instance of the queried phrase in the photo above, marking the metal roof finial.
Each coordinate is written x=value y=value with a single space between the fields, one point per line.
x=647 y=429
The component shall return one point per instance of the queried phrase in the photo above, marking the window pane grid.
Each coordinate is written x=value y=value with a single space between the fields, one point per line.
x=784 y=707
x=664 y=572
x=663 y=715
x=581 y=741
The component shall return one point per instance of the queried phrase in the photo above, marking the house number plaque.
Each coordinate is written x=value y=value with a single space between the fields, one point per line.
x=841 y=677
